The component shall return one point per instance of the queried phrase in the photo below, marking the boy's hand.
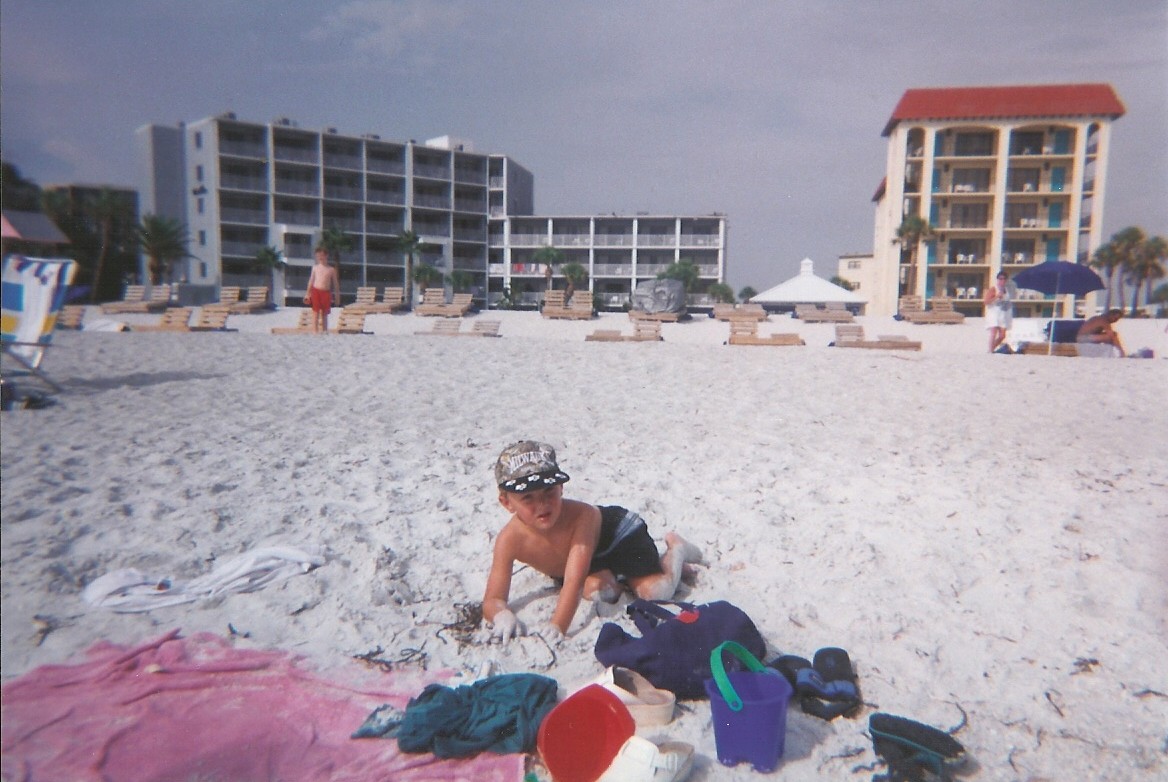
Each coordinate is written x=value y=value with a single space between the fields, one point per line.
x=506 y=626
x=550 y=633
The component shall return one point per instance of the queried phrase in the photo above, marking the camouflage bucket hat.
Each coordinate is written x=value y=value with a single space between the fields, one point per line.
x=527 y=466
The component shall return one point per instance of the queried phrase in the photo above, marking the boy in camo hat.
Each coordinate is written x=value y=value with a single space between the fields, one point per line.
x=591 y=551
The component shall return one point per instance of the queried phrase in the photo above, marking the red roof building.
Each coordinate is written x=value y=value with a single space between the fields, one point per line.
x=1006 y=177
x=973 y=103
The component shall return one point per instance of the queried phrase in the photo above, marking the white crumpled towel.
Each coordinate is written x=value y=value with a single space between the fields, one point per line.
x=130 y=591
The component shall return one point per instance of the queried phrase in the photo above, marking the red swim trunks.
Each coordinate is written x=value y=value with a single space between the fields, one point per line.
x=322 y=300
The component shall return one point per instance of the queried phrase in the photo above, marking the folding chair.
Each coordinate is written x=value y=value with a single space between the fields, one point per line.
x=32 y=293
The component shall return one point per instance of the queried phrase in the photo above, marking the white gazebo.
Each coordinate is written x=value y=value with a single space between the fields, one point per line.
x=806 y=288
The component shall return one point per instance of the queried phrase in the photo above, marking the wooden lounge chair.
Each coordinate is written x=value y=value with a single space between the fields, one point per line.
x=174 y=319
x=643 y=331
x=728 y=312
x=913 y=310
x=349 y=322
x=136 y=301
x=303 y=325
x=553 y=305
x=211 y=319
x=228 y=296
x=460 y=304
x=810 y=313
x=433 y=303
x=394 y=299
x=745 y=332
x=367 y=301
x=580 y=306
x=1067 y=349
x=71 y=317
x=442 y=328
x=852 y=336
x=134 y=295
x=257 y=300
x=481 y=328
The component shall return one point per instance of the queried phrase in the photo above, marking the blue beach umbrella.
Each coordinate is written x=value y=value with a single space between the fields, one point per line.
x=1059 y=278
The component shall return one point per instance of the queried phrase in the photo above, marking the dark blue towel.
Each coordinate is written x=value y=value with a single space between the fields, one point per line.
x=500 y=714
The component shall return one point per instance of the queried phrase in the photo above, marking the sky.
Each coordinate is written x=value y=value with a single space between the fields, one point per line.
x=768 y=112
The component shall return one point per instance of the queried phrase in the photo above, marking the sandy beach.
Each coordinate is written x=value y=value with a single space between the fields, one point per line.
x=984 y=534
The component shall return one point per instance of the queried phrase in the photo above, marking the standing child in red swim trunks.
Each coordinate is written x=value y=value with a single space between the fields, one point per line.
x=323 y=286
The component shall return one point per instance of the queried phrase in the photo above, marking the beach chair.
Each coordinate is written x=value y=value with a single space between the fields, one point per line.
x=481 y=328
x=349 y=322
x=394 y=299
x=839 y=311
x=174 y=319
x=134 y=295
x=605 y=335
x=643 y=331
x=460 y=304
x=442 y=328
x=228 y=296
x=943 y=312
x=303 y=325
x=553 y=305
x=257 y=300
x=135 y=301
x=851 y=335
x=1065 y=349
x=32 y=293
x=728 y=312
x=71 y=317
x=433 y=303
x=810 y=313
x=580 y=306
x=659 y=317
x=745 y=332
x=211 y=319
x=366 y=299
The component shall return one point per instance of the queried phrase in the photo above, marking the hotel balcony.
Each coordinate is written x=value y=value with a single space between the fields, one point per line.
x=431 y=171
x=243 y=148
x=249 y=216
x=249 y=183
x=338 y=160
x=296 y=154
x=378 y=165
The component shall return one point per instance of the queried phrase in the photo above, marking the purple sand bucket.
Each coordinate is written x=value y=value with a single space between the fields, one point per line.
x=749 y=710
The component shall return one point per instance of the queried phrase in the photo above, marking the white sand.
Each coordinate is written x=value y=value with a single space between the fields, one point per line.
x=982 y=533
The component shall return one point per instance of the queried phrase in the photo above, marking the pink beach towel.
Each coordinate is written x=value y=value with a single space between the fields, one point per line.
x=181 y=709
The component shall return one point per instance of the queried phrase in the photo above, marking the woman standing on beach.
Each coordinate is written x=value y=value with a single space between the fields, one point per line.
x=999 y=310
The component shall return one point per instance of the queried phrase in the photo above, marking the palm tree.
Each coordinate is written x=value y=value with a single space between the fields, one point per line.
x=1147 y=266
x=683 y=270
x=427 y=276
x=721 y=293
x=272 y=260
x=164 y=241
x=576 y=277
x=335 y=241
x=1106 y=260
x=108 y=209
x=747 y=293
x=460 y=280
x=913 y=230
x=1127 y=245
x=409 y=245
x=550 y=257
x=840 y=281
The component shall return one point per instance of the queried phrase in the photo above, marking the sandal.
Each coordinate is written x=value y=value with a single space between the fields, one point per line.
x=649 y=705
x=640 y=760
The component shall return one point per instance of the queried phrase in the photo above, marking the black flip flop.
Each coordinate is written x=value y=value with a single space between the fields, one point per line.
x=829 y=688
x=910 y=747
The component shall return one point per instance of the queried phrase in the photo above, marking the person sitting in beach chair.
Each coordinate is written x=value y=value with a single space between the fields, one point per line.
x=592 y=552
x=1099 y=330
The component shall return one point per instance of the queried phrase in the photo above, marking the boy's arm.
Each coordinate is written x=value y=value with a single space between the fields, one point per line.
x=499 y=579
x=575 y=571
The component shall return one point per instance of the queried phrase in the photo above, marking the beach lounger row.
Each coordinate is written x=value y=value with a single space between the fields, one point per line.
x=852 y=336
x=579 y=307
x=179 y=319
x=135 y=300
x=832 y=312
x=347 y=322
x=729 y=312
x=453 y=328
x=912 y=309
x=643 y=331
x=745 y=332
x=392 y=300
x=434 y=304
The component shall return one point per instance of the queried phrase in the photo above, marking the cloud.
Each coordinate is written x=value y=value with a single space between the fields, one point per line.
x=383 y=32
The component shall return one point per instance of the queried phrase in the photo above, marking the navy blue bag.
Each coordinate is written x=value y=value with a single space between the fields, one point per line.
x=673 y=652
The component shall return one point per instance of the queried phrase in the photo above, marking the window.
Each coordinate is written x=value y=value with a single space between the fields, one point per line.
x=202 y=238
x=972 y=144
x=199 y=145
x=853 y=264
x=199 y=173
x=201 y=205
x=203 y=269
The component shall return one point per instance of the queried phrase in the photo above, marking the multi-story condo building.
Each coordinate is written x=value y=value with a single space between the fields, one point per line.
x=241 y=186
x=1005 y=176
x=619 y=252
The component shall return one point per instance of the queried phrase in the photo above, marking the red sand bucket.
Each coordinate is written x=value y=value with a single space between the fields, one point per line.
x=749 y=710
x=580 y=737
